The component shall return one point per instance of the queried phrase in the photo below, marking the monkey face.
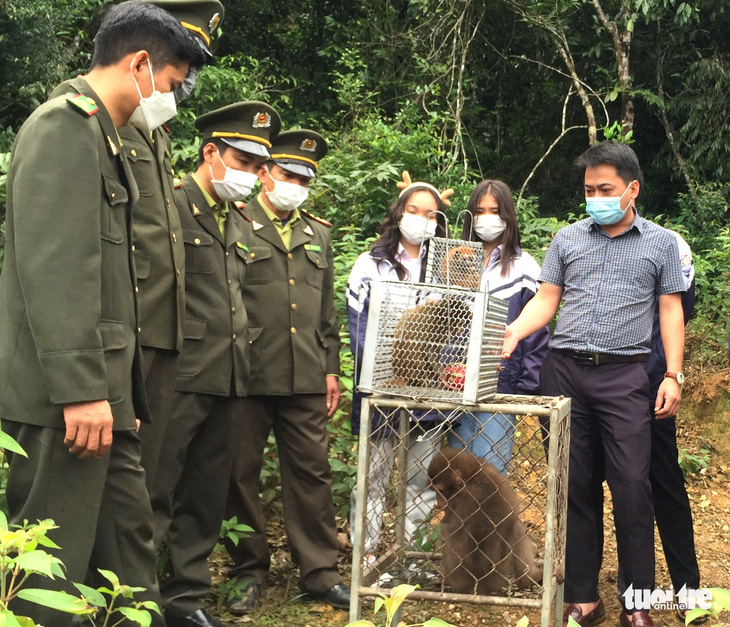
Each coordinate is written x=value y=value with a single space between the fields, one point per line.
x=461 y=267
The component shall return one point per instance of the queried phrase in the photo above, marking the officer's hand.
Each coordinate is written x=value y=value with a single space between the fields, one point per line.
x=88 y=428
x=333 y=395
x=667 y=399
x=511 y=339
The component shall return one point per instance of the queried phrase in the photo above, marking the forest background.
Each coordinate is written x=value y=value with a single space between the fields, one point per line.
x=454 y=91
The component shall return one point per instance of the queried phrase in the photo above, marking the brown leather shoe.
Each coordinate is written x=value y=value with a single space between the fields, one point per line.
x=596 y=616
x=640 y=619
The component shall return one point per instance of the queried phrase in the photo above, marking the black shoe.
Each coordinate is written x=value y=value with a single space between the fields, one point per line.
x=249 y=596
x=199 y=618
x=337 y=596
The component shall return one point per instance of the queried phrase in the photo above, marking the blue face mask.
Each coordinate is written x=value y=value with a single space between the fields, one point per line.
x=606 y=210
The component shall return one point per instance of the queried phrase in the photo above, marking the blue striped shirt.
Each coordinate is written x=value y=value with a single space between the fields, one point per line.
x=610 y=284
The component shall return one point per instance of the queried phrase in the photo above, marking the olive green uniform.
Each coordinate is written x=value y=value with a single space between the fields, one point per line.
x=68 y=335
x=212 y=378
x=289 y=296
x=159 y=257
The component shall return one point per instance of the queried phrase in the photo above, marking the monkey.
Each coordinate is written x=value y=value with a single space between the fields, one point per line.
x=485 y=545
x=423 y=336
x=462 y=265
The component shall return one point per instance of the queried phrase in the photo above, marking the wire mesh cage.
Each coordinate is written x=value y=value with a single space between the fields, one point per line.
x=432 y=342
x=498 y=533
x=454 y=262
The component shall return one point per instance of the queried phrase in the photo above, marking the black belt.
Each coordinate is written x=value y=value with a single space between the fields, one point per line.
x=598 y=359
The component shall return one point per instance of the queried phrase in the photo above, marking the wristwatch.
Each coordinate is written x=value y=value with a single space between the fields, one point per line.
x=677 y=376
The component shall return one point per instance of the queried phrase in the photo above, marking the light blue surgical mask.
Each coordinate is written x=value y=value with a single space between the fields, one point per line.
x=606 y=210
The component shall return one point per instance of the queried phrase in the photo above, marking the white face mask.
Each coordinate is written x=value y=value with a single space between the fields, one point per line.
x=415 y=229
x=286 y=196
x=489 y=226
x=155 y=110
x=235 y=185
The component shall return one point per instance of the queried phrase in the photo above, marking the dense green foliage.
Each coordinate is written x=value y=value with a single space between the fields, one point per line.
x=453 y=91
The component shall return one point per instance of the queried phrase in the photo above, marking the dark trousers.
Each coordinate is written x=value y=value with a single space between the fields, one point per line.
x=671 y=506
x=189 y=492
x=300 y=427
x=159 y=369
x=609 y=416
x=100 y=506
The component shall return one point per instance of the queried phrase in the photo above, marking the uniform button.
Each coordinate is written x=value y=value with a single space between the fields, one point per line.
x=133 y=152
x=233 y=310
x=292 y=282
x=136 y=289
x=290 y=256
x=226 y=253
x=294 y=306
x=196 y=241
x=174 y=237
x=133 y=248
x=234 y=336
x=177 y=272
x=293 y=330
x=139 y=329
x=252 y=255
x=114 y=195
x=230 y=283
x=168 y=201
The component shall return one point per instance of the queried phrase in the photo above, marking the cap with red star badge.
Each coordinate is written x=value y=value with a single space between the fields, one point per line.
x=249 y=126
x=201 y=17
x=299 y=151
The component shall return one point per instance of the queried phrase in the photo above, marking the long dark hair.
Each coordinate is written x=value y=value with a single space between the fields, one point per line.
x=506 y=206
x=385 y=247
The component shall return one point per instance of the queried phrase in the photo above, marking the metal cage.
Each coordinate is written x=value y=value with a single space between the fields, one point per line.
x=409 y=545
x=455 y=263
x=432 y=342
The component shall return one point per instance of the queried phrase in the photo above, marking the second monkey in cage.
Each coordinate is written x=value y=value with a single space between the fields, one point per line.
x=486 y=546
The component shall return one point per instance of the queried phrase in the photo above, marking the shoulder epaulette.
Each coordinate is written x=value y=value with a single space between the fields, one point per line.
x=84 y=103
x=177 y=182
x=316 y=218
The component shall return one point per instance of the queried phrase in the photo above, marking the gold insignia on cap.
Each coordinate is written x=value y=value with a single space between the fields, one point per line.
x=261 y=120
x=309 y=145
x=214 y=21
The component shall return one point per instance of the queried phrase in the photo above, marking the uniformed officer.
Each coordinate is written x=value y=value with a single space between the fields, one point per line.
x=159 y=254
x=212 y=378
x=293 y=388
x=71 y=387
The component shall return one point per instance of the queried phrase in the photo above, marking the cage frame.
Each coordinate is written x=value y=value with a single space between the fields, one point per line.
x=557 y=410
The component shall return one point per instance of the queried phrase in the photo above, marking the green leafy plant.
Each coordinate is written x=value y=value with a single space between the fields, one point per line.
x=720 y=603
x=391 y=604
x=694 y=464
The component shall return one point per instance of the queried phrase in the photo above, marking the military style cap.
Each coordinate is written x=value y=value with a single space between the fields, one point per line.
x=200 y=17
x=298 y=151
x=249 y=126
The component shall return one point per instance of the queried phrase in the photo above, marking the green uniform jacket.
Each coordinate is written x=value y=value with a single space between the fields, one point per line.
x=159 y=252
x=289 y=296
x=214 y=358
x=68 y=315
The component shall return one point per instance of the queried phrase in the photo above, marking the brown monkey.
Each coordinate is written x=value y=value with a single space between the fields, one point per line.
x=462 y=266
x=485 y=545
x=422 y=337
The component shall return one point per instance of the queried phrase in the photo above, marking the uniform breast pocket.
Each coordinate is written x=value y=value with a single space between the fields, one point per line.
x=144 y=170
x=113 y=211
x=317 y=263
x=258 y=264
x=199 y=252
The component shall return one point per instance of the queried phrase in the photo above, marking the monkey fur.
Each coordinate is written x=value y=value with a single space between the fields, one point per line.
x=485 y=545
x=462 y=266
x=421 y=336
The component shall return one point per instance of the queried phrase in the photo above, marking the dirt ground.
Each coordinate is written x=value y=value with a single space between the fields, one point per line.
x=709 y=493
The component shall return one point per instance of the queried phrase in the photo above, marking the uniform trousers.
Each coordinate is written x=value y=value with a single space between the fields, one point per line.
x=189 y=492
x=159 y=370
x=609 y=416
x=299 y=423
x=100 y=506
